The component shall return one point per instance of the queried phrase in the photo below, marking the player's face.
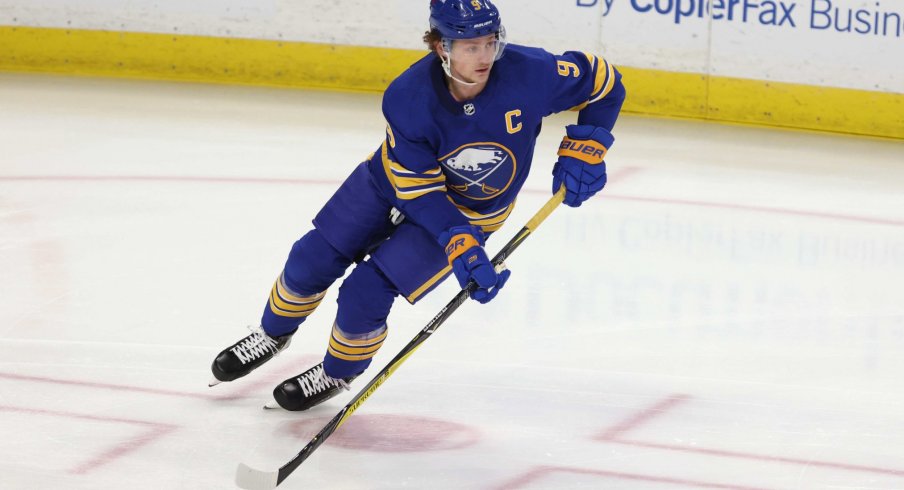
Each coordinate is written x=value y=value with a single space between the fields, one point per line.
x=473 y=58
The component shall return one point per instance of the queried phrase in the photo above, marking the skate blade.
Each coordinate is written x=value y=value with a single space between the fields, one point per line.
x=272 y=405
x=213 y=383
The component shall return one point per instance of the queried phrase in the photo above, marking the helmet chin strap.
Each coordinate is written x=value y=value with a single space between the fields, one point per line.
x=447 y=67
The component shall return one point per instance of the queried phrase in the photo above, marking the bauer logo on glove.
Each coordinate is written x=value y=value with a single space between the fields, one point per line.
x=580 y=167
x=469 y=261
x=588 y=151
x=459 y=244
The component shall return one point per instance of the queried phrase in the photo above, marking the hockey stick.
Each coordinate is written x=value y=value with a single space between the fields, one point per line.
x=253 y=479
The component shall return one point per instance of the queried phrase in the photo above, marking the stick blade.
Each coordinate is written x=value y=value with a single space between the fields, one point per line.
x=251 y=479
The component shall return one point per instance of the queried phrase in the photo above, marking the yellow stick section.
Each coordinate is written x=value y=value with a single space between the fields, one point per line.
x=310 y=65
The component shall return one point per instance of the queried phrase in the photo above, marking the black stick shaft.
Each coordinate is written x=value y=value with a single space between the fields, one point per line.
x=409 y=349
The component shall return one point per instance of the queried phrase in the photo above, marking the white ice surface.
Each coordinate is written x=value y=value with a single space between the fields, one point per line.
x=729 y=314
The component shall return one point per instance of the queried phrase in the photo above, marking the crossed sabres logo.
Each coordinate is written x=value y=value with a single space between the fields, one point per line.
x=474 y=164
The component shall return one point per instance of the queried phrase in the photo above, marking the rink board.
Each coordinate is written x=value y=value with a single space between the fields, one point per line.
x=359 y=68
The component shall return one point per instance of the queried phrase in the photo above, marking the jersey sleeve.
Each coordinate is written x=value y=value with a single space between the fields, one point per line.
x=410 y=164
x=586 y=83
x=412 y=168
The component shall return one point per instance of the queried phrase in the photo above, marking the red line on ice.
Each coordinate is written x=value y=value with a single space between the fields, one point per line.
x=97 y=418
x=242 y=389
x=614 y=435
x=542 y=471
x=288 y=180
x=642 y=417
x=167 y=178
x=122 y=449
x=105 y=386
x=155 y=431
x=763 y=457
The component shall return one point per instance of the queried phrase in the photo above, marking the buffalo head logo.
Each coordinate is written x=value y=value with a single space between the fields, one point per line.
x=479 y=170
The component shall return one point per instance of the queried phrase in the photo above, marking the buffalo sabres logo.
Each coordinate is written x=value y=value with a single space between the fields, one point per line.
x=479 y=171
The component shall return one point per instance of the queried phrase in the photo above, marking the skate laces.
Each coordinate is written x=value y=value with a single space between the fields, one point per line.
x=316 y=380
x=255 y=345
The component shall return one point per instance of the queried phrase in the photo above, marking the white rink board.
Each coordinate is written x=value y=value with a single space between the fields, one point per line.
x=808 y=42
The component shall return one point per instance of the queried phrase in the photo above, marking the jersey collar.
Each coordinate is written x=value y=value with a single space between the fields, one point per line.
x=438 y=80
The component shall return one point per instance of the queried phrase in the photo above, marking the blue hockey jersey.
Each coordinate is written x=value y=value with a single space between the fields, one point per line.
x=447 y=163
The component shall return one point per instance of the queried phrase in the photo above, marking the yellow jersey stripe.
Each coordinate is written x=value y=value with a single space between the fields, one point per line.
x=337 y=334
x=348 y=357
x=603 y=81
x=336 y=346
x=289 y=314
x=289 y=297
x=592 y=59
x=277 y=302
x=599 y=79
x=609 y=80
x=493 y=220
x=407 y=188
x=471 y=214
x=429 y=284
x=580 y=106
x=408 y=195
x=491 y=228
x=489 y=222
x=398 y=169
x=404 y=183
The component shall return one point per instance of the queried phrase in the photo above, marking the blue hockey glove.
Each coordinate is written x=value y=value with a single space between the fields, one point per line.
x=580 y=166
x=469 y=261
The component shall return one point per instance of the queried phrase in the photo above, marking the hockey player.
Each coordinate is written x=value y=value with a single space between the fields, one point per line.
x=462 y=124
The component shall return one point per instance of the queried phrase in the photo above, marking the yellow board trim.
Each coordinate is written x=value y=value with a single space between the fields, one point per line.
x=201 y=59
x=766 y=103
x=337 y=67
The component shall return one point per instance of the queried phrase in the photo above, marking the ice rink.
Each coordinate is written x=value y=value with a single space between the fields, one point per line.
x=729 y=313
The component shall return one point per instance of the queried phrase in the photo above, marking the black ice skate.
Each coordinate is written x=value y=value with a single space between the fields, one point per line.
x=308 y=389
x=247 y=355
